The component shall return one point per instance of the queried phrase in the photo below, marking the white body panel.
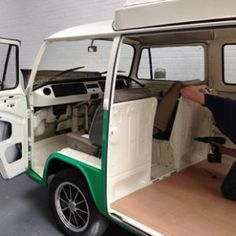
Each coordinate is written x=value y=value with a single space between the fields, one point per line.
x=92 y=30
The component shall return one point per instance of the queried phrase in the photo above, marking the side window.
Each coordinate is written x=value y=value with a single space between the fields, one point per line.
x=144 y=65
x=8 y=66
x=175 y=63
x=126 y=58
x=229 y=55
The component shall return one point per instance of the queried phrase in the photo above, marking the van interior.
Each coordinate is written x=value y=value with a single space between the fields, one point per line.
x=158 y=177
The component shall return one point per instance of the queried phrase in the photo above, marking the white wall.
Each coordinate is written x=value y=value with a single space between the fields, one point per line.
x=31 y=21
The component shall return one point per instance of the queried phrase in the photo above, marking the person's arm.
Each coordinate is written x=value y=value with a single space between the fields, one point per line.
x=195 y=93
x=224 y=150
x=228 y=151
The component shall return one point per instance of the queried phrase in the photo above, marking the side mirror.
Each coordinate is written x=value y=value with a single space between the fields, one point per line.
x=92 y=48
x=160 y=73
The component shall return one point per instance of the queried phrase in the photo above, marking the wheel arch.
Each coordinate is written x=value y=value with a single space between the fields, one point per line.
x=93 y=176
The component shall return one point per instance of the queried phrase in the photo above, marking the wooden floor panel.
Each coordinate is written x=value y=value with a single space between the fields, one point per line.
x=188 y=203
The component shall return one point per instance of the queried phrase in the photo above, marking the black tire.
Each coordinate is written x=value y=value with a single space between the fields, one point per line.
x=67 y=190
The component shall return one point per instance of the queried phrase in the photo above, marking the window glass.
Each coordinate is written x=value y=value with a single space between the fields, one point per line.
x=8 y=66
x=64 y=55
x=144 y=66
x=3 y=55
x=61 y=58
x=176 y=63
x=230 y=64
x=126 y=58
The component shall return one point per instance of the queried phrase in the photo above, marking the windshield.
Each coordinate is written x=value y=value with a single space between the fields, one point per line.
x=74 y=60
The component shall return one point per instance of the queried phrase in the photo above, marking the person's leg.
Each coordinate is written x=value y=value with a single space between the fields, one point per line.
x=228 y=187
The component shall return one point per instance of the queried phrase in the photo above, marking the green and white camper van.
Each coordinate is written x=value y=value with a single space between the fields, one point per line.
x=102 y=115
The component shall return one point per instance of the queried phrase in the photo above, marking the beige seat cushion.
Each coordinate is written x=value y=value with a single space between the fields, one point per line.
x=81 y=143
x=166 y=108
x=129 y=94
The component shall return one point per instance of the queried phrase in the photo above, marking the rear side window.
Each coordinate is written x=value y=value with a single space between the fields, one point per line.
x=174 y=63
x=229 y=55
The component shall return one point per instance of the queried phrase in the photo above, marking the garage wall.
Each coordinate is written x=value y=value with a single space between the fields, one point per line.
x=31 y=21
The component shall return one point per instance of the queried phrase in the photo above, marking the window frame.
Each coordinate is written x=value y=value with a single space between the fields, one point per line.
x=223 y=64
x=202 y=44
x=132 y=59
x=9 y=51
x=149 y=60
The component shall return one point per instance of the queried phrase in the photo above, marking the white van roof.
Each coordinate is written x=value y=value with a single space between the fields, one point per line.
x=136 y=2
x=163 y=14
x=97 y=29
x=143 y=13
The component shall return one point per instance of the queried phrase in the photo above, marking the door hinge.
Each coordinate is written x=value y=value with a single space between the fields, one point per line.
x=29 y=149
x=28 y=113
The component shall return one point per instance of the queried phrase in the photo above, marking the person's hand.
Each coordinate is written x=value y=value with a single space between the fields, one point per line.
x=214 y=146
x=195 y=93
x=203 y=88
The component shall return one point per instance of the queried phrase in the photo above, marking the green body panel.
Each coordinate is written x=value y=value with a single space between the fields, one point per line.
x=34 y=176
x=104 y=156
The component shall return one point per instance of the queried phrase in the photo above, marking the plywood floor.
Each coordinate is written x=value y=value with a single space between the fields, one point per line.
x=188 y=203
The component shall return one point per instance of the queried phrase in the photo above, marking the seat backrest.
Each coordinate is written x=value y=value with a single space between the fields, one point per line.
x=95 y=131
x=121 y=95
x=129 y=94
x=166 y=110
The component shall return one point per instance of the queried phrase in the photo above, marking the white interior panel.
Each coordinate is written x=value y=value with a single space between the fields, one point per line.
x=130 y=146
x=192 y=120
x=163 y=162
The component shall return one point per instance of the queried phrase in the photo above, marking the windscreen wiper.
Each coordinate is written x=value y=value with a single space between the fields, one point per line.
x=65 y=71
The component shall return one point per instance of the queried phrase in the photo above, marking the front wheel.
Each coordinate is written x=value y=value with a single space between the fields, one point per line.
x=73 y=206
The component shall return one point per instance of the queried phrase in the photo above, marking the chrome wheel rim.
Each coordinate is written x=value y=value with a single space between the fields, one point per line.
x=72 y=207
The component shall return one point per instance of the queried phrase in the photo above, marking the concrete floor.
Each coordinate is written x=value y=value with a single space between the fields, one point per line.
x=24 y=210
